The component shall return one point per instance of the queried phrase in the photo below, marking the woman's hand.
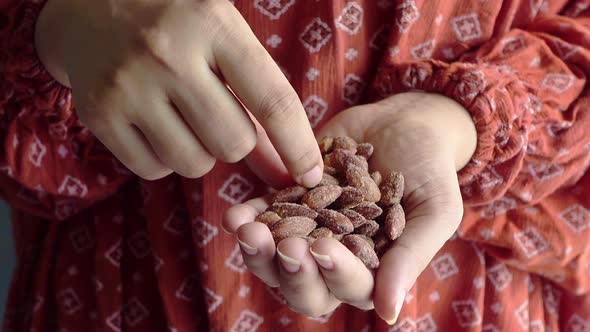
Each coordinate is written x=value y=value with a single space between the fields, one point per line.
x=148 y=79
x=426 y=137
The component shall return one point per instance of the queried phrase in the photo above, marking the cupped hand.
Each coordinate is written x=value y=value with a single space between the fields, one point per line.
x=427 y=138
x=149 y=80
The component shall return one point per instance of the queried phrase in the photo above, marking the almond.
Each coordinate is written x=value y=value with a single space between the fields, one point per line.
x=369 y=210
x=376 y=176
x=369 y=228
x=356 y=218
x=364 y=150
x=328 y=179
x=321 y=232
x=320 y=197
x=342 y=159
x=368 y=239
x=382 y=243
x=326 y=143
x=268 y=218
x=285 y=210
x=361 y=180
x=395 y=221
x=392 y=189
x=292 y=226
x=338 y=236
x=349 y=198
x=289 y=195
x=330 y=170
x=345 y=143
x=361 y=249
x=336 y=222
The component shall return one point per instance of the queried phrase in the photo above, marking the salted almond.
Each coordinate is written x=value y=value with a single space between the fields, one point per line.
x=336 y=222
x=285 y=210
x=361 y=249
x=392 y=189
x=361 y=180
x=292 y=226
x=320 y=197
x=395 y=221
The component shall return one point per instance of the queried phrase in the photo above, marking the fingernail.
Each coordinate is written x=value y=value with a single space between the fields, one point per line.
x=248 y=248
x=290 y=264
x=311 y=178
x=399 y=301
x=225 y=230
x=323 y=260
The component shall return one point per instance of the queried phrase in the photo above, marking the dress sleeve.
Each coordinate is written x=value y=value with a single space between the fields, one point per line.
x=525 y=87
x=50 y=164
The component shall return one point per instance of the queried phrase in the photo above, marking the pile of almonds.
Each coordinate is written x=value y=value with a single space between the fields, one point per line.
x=360 y=209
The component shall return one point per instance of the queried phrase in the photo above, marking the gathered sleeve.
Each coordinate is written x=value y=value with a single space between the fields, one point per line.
x=50 y=164
x=525 y=87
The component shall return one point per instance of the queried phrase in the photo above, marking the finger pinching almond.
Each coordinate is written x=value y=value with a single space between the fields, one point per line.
x=344 y=205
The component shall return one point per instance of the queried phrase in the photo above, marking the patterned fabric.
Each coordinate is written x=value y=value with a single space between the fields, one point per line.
x=101 y=250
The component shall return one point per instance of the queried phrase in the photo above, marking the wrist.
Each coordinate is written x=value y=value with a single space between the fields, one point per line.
x=448 y=120
x=49 y=39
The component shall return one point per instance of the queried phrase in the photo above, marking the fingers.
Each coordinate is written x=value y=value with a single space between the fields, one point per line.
x=129 y=146
x=258 y=251
x=411 y=253
x=173 y=141
x=214 y=115
x=241 y=214
x=344 y=274
x=265 y=91
x=265 y=162
x=300 y=280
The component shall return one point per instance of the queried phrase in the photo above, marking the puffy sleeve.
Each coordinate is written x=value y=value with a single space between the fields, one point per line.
x=520 y=69
x=50 y=164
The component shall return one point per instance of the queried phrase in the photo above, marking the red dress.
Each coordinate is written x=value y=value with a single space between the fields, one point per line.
x=99 y=249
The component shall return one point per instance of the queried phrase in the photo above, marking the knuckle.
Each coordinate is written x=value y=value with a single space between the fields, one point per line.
x=278 y=105
x=186 y=164
x=239 y=148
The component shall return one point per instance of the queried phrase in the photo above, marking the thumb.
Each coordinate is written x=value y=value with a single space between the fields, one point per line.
x=428 y=227
x=265 y=162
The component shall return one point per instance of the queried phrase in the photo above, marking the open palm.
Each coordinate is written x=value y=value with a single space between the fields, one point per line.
x=316 y=281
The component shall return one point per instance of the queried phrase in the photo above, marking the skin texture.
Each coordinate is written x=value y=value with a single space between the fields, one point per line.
x=436 y=138
x=156 y=80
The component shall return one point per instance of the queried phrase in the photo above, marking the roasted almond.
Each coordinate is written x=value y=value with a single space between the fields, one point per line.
x=268 y=218
x=320 y=197
x=285 y=210
x=395 y=221
x=342 y=159
x=321 y=232
x=364 y=150
x=326 y=144
x=336 y=222
x=292 y=226
x=361 y=180
x=382 y=243
x=338 y=236
x=376 y=176
x=368 y=239
x=369 y=228
x=361 y=249
x=330 y=170
x=349 y=198
x=289 y=194
x=328 y=179
x=356 y=218
x=392 y=189
x=369 y=210
x=345 y=143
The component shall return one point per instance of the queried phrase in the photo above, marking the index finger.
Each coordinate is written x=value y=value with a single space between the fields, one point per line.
x=259 y=83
